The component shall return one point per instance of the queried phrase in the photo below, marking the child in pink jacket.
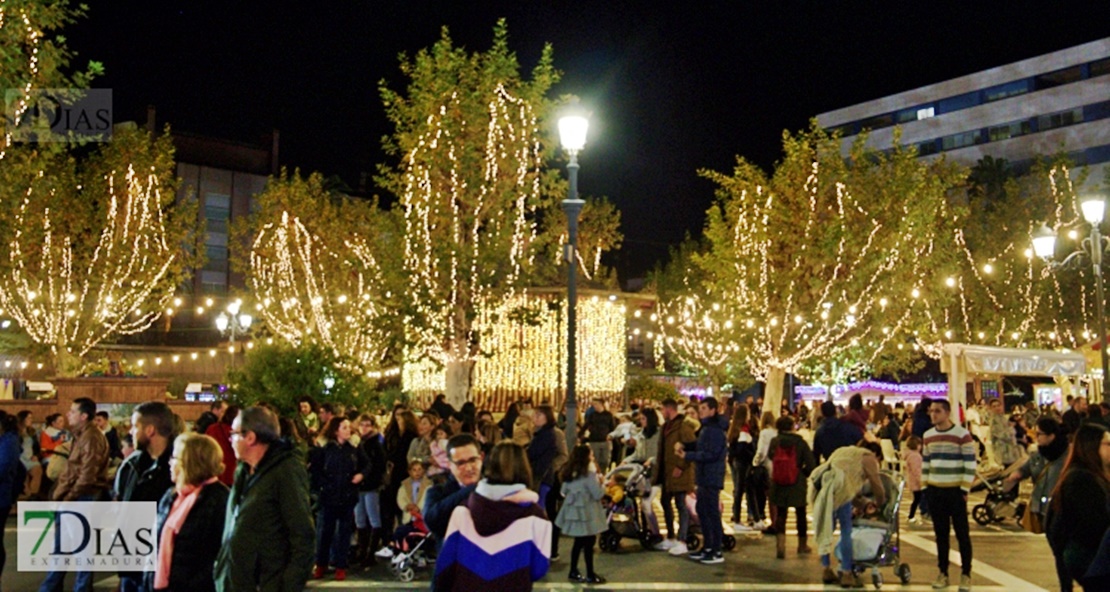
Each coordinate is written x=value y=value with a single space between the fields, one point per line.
x=911 y=460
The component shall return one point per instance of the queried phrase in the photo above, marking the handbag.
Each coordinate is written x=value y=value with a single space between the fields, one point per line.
x=1030 y=520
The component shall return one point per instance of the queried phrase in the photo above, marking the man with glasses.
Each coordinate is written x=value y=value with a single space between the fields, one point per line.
x=465 y=456
x=947 y=471
x=268 y=539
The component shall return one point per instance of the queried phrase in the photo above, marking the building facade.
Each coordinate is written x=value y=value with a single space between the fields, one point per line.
x=1053 y=103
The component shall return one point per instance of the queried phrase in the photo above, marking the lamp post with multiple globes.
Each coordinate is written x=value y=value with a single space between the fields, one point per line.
x=1044 y=245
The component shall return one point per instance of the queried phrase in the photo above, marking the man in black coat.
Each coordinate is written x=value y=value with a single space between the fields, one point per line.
x=145 y=475
x=1074 y=415
x=833 y=433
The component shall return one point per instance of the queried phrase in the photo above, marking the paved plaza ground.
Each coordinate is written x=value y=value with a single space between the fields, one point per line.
x=1006 y=559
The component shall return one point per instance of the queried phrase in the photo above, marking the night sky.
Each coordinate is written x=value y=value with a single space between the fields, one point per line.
x=674 y=87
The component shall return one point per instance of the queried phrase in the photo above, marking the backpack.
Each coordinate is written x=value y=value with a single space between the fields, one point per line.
x=784 y=465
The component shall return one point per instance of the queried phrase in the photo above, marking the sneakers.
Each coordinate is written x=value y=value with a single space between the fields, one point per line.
x=740 y=527
x=941 y=581
x=829 y=576
x=965 y=582
x=916 y=520
x=576 y=576
x=384 y=553
x=665 y=545
x=712 y=558
x=340 y=574
x=678 y=548
x=594 y=579
x=318 y=573
x=697 y=555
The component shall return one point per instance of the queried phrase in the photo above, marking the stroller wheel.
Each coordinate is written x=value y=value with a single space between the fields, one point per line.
x=982 y=514
x=728 y=542
x=610 y=542
x=693 y=543
x=877 y=579
x=903 y=572
x=648 y=540
x=406 y=575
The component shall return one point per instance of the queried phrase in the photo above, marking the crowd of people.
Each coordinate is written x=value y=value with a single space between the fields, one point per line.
x=253 y=499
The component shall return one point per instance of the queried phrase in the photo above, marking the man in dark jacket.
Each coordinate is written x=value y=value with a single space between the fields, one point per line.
x=268 y=535
x=145 y=475
x=465 y=455
x=709 y=454
x=833 y=433
x=1074 y=415
x=442 y=408
x=598 y=426
x=104 y=424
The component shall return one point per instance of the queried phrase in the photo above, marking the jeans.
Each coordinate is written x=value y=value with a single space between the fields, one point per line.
x=672 y=500
x=843 y=517
x=55 y=580
x=709 y=516
x=648 y=509
x=333 y=535
x=602 y=454
x=368 y=511
x=131 y=583
x=948 y=508
x=739 y=477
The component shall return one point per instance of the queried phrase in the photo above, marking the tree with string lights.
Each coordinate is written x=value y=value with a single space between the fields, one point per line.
x=323 y=270
x=97 y=246
x=1003 y=294
x=474 y=191
x=829 y=256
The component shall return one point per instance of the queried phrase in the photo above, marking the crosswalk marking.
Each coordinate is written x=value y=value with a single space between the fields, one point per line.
x=1008 y=580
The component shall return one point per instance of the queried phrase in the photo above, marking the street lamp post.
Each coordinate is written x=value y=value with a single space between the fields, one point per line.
x=234 y=324
x=1044 y=245
x=572 y=135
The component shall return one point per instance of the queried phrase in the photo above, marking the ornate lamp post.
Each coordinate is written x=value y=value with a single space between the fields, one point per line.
x=1044 y=245
x=572 y=135
x=234 y=324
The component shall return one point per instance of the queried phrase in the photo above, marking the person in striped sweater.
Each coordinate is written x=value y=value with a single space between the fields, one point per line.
x=947 y=471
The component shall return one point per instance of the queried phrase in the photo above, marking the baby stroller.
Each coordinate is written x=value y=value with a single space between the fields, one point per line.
x=876 y=539
x=1001 y=503
x=623 y=500
x=411 y=556
x=693 y=530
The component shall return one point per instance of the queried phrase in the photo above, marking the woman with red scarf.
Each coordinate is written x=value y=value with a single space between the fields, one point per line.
x=190 y=517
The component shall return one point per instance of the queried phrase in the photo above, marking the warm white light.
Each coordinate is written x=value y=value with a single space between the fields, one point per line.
x=208 y=302
x=915 y=293
x=221 y=322
x=1044 y=242
x=342 y=299
x=988 y=268
x=177 y=302
x=572 y=132
x=245 y=321
x=950 y=282
x=233 y=307
x=1093 y=209
x=1073 y=234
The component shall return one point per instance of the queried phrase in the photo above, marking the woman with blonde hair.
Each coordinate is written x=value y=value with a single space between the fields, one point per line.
x=190 y=517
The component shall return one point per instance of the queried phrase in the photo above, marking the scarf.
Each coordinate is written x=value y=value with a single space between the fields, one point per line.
x=179 y=511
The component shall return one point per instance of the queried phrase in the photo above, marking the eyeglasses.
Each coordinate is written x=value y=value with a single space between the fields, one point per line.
x=474 y=460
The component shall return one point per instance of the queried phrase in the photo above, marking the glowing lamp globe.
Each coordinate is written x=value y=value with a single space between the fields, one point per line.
x=572 y=132
x=1044 y=243
x=1093 y=209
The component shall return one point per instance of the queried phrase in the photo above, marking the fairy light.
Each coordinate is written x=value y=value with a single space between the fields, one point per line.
x=69 y=300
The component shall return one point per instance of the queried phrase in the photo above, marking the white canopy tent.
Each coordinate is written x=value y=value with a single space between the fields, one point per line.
x=961 y=358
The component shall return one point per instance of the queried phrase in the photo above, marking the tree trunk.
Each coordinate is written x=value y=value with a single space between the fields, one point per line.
x=772 y=391
x=458 y=382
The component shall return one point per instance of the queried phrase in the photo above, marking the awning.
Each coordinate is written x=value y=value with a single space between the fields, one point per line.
x=1015 y=362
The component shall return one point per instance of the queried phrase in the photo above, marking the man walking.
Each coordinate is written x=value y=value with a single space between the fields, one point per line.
x=709 y=453
x=84 y=478
x=268 y=536
x=145 y=475
x=947 y=471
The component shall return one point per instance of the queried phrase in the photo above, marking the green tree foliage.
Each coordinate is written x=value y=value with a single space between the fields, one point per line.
x=828 y=255
x=471 y=145
x=325 y=269
x=96 y=248
x=280 y=374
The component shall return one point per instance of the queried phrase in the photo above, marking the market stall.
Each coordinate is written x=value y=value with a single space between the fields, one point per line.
x=961 y=359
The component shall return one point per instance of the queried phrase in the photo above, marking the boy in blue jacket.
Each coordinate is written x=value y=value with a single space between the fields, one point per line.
x=709 y=453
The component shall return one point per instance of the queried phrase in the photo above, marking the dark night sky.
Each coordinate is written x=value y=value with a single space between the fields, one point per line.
x=673 y=86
